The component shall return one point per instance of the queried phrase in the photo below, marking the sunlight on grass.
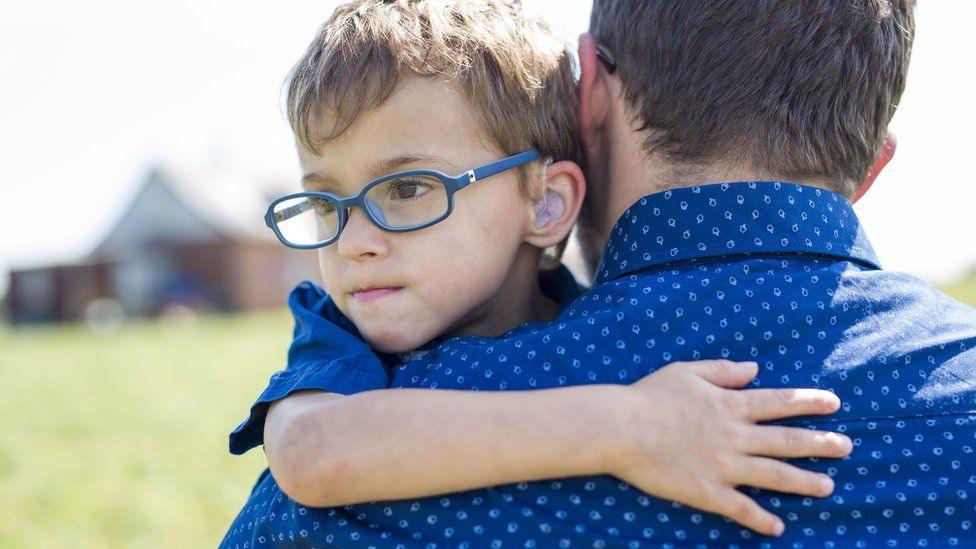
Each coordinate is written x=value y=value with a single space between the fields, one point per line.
x=964 y=289
x=121 y=440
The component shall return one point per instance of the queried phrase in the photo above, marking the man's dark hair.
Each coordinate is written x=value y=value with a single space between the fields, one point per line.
x=802 y=89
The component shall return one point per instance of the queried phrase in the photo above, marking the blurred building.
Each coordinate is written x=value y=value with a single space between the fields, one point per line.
x=189 y=238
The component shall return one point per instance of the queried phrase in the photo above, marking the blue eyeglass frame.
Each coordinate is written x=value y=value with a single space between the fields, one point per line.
x=452 y=184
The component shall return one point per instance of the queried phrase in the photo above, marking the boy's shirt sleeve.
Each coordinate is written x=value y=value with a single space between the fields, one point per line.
x=326 y=354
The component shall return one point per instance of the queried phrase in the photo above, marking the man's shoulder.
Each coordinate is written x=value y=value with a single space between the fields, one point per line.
x=898 y=323
x=828 y=283
x=901 y=302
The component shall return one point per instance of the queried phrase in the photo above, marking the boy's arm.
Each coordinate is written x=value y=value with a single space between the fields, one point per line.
x=679 y=433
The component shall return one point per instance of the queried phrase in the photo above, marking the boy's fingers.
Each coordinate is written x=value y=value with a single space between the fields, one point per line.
x=726 y=373
x=776 y=475
x=770 y=404
x=742 y=509
x=794 y=442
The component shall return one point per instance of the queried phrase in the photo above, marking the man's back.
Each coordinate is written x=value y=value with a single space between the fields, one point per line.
x=901 y=356
x=800 y=293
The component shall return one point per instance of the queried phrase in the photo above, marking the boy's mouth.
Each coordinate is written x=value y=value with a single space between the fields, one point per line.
x=370 y=294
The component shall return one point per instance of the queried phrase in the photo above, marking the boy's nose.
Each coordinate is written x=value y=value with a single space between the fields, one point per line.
x=361 y=240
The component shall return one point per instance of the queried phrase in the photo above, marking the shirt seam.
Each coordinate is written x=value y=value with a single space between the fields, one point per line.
x=732 y=258
x=971 y=412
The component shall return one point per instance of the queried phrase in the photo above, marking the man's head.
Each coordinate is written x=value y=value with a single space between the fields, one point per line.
x=389 y=86
x=712 y=90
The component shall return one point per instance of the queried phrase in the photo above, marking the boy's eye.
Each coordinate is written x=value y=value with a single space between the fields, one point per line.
x=404 y=189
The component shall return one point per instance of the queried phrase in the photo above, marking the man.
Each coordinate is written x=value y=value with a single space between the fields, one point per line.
x=724 y=140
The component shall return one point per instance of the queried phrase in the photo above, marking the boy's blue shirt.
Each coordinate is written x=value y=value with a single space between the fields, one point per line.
x=328 y=354
x=773 y=272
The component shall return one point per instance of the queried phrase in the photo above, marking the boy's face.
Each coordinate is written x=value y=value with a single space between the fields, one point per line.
x=403 y=289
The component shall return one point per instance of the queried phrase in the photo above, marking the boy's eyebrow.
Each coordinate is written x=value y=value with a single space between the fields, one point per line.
x=384 y=167
x=396 y=163
x=318 y=180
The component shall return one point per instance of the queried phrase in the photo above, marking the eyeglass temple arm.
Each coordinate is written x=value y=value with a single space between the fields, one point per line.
x=502 y=165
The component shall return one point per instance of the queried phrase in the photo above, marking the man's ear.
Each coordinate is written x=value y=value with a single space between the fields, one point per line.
x=554 y=215
x=885 y=155
x=594 y=95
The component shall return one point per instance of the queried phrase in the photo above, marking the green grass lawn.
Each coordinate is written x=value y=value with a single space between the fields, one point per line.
x=963 y=289
x=121 y=440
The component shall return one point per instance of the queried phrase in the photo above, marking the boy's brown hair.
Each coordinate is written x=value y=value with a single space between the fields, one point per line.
x=799 y=89
x=514 y=72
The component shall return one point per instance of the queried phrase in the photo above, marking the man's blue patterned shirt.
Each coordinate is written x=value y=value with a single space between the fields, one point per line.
x=773 y=272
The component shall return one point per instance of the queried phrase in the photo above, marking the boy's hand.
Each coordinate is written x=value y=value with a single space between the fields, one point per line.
x=692 y=439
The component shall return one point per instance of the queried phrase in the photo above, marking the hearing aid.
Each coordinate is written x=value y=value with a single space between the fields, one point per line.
x=550 y=206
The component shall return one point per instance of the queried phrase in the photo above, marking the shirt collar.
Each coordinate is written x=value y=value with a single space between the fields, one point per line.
x=560 y=285
x=734 y=219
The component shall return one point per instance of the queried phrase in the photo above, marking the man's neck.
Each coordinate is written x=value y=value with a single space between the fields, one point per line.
x=636 y=182
x=630 y=175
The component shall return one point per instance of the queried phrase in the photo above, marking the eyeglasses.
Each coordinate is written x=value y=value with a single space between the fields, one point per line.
x=608 y=61
x=397 y=203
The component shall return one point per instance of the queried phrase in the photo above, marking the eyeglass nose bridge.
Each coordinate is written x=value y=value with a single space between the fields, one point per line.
x=344 y=208
x=370 y=209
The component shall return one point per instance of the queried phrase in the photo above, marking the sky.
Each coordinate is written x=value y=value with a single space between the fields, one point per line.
x=93 y=93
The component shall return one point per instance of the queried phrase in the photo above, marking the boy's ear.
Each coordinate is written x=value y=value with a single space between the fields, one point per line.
x=554 y=215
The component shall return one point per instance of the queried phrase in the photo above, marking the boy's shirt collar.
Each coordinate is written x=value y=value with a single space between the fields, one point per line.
x=560 y=285
x=716 y=221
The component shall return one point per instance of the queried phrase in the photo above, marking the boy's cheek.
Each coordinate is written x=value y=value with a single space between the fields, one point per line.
x=326 y=277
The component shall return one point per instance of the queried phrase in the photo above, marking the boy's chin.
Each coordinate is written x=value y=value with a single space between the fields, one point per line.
x=396 y=341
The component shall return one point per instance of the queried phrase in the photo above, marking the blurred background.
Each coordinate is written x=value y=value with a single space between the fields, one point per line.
x=143 y=304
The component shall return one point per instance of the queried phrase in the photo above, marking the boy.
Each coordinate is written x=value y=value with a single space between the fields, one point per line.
x=468 y=104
